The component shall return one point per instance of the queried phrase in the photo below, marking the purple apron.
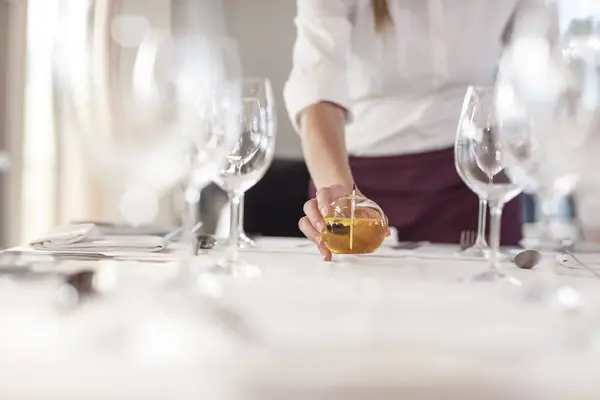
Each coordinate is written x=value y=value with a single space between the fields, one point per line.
x=425 y=199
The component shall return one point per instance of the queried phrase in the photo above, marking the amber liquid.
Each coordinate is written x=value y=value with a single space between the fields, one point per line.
x=361 y=236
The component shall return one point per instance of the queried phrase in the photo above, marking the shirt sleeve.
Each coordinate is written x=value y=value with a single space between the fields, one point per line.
x=319 y=57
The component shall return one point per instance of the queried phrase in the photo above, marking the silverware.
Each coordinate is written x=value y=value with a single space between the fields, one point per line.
x=467 y=239
x=580 y=263
x=83 y=283
x=204 y=241
x=527 y=259
x=408 y=245
x=176 y=233
x=41 y=255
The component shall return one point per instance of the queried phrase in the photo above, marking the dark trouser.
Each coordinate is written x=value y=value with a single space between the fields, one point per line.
x=425 y=199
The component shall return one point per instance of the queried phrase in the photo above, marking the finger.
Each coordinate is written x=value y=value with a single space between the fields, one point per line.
x=324 y=250
x=327 y=256
x=311 y=210
x=309 y=230
x=314 y=236
x=324 y=199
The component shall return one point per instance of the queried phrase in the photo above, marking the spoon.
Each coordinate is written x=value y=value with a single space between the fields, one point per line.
x=527 y=259
x=204 y=242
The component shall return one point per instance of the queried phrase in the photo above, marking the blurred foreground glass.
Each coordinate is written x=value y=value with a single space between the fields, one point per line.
x=249 y=159
x=140 y=94
x=479 y=159
x=549 y=79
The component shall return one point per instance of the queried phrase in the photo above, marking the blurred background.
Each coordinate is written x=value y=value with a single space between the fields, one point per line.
x=46 y=182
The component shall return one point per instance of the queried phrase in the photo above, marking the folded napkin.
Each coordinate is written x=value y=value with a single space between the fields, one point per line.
x=87 y=238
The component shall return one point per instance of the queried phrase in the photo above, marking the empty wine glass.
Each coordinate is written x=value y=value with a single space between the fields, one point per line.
x=479 y=159
x=138 y=96
x=218 y=112
x=246 y=164
x=260 y=90
x=548 y=76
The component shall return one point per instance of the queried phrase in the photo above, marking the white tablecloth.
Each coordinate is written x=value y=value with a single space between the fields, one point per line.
x=397 y=324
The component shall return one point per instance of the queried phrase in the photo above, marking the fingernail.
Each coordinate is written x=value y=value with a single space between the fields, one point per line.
x=324 y=211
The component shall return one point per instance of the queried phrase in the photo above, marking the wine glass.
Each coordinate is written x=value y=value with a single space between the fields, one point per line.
x=245 y=164
x=141 y=94
x=549 y=78
x=479 y=159
x=259 y=89
x=219 y=112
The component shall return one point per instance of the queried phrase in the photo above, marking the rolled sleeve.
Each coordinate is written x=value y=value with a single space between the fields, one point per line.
x=319 y=57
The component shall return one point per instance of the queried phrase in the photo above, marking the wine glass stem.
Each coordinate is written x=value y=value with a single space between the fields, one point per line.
x=545 y=207
x=191 y=208
x=481 y=223
x=240 y=213
x=495 y=225
x=235 y=201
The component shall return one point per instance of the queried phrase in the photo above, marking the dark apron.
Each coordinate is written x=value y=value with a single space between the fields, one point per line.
x=425 y=199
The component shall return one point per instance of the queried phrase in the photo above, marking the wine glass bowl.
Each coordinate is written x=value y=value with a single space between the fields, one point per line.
x=479 y=149
x=482 y=172
x=252 y=153
x=357 y=225
x=488 y=152
x=248 y=142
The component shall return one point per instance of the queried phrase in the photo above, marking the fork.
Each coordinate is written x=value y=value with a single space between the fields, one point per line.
x=467 y=239
x=580 y=263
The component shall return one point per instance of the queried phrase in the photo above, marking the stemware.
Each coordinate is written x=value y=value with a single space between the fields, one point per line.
x=259 y=94
x=261 y=90
x=549 y=79
x=218 y=111
x=247 y=161
x=479 y=159
x=140 y=97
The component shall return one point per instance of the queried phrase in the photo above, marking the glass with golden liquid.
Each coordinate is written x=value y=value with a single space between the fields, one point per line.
x=368 y=235
x=357 y=226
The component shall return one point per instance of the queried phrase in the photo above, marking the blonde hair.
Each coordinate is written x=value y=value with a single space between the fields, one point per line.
x=381 y=15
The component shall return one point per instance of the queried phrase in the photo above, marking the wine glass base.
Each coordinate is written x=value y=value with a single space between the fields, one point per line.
x=236 y=269
x=493 y=275
x=244 y=242
x=476 y=252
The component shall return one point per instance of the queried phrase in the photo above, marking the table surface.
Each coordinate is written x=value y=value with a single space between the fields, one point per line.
x=392 y=324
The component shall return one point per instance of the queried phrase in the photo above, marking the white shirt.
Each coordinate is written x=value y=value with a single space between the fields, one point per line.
x=403 y=89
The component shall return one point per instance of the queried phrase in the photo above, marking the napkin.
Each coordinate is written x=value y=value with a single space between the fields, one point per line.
x=87 y=238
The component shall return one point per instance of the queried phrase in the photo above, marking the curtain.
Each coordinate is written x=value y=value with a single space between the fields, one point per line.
x=14 y=27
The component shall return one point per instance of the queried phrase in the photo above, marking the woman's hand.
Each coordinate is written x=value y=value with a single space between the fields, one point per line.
x=315 y=210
